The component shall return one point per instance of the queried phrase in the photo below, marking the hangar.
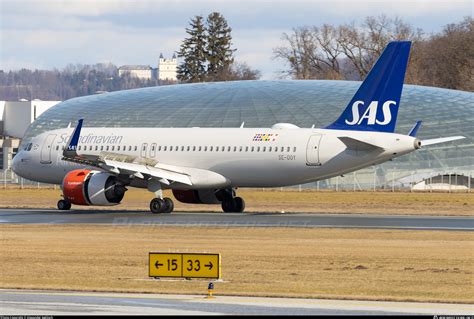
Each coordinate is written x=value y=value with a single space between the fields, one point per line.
x=303 y=103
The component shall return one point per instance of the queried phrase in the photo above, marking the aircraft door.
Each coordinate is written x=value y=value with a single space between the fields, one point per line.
x=144 y=148
x=45 y=157
x=312 y=150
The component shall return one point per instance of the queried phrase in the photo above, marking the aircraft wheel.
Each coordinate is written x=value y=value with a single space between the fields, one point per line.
x=228 y=206
x=156 y=206
x=168 y=206
x=64 y=204
x=239 y=205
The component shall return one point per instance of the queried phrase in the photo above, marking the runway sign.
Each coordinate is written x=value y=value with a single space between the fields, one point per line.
x=184 y=265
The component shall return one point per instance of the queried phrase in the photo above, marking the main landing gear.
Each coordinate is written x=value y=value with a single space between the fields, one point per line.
x=230 y=203
x=233 y=205
x=158 y=205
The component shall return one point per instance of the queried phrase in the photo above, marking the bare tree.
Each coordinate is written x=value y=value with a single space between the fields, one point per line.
x=312 y=52
x=330 y=52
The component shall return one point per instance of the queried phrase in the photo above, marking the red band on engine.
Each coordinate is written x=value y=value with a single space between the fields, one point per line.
x=73 y=186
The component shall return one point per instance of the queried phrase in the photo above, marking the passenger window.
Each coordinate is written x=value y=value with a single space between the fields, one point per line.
x=282 y=149
x=79 y=148
x=164 y=148
x=135 y=148
x=129 y=148
x=152 y=147
x=90 y=148
x=288 y=149
x=235 y=148
x=240 y=149
x=102 y=147
x=57 y=148
x=176 y=148
x=194 y=148
x=107 y=148
x=96 y=147
x=205 y=148
x=294 y=149
x=246 y=148
x=269 y=148
x=263 y=150
x=188 y=148
x=258 y=148
x=182 y=148
x=113 y=147
x=199 y=148
x=210 y=149
x=252 y=148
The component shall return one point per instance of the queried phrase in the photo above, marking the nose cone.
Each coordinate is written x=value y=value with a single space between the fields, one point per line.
x=15 y=163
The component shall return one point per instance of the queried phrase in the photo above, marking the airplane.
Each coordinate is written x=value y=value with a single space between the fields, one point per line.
x=94 y=165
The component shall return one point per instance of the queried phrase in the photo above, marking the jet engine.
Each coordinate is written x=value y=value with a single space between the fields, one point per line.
x=87 y=187
x=195 y=196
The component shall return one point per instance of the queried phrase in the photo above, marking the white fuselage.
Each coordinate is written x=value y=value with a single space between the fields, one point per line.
x=277 y=157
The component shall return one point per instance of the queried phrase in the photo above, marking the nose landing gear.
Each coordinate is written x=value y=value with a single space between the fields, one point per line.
x=64 y=204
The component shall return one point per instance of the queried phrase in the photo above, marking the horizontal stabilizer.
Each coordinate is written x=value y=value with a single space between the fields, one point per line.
x=358 y=145
x=440 y=140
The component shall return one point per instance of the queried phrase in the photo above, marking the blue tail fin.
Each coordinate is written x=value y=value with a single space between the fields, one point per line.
x=374 y=107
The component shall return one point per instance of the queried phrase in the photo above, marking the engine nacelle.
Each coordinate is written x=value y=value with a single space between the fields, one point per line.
x=195 y=196
x=86 y=187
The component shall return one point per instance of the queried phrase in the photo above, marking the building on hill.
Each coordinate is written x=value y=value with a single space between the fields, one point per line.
x=165 y=71
x=144 y=72
x=167 y=68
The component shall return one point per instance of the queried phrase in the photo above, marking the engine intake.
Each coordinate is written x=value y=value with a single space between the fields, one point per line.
x=86 y=187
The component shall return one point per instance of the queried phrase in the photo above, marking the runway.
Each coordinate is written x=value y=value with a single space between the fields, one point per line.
x=117 y=217
x=23 y=302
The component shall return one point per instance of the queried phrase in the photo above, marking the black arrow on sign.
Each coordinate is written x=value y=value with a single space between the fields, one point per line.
x=209 y=265
x=157 y=264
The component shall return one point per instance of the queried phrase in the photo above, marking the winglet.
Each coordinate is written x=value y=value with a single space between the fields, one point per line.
x=70 y=150
x=414 y=129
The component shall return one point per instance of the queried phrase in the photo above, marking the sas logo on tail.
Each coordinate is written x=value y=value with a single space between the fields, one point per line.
x=370 y=113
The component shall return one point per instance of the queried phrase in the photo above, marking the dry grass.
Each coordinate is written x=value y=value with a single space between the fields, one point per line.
x=454 y=204
x=431 y=266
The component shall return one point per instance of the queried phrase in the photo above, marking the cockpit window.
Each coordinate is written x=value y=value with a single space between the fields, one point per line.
x=28 y=147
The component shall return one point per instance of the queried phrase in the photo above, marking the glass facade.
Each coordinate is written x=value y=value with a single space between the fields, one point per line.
x=264 y=103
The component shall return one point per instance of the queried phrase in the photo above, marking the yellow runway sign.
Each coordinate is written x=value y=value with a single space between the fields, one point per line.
x=183 y=265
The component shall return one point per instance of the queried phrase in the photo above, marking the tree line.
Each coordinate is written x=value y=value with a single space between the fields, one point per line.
x=72 y=81
x=348 y=51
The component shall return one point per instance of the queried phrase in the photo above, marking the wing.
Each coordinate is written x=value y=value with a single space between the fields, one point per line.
x=123 y=164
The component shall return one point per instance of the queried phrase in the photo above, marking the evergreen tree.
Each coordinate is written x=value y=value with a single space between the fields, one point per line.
x=219 y=52
x=193 y=50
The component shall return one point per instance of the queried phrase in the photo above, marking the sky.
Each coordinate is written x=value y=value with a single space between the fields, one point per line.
x=47 y=34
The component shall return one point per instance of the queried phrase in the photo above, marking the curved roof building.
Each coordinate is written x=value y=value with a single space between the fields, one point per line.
x=264 y=103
